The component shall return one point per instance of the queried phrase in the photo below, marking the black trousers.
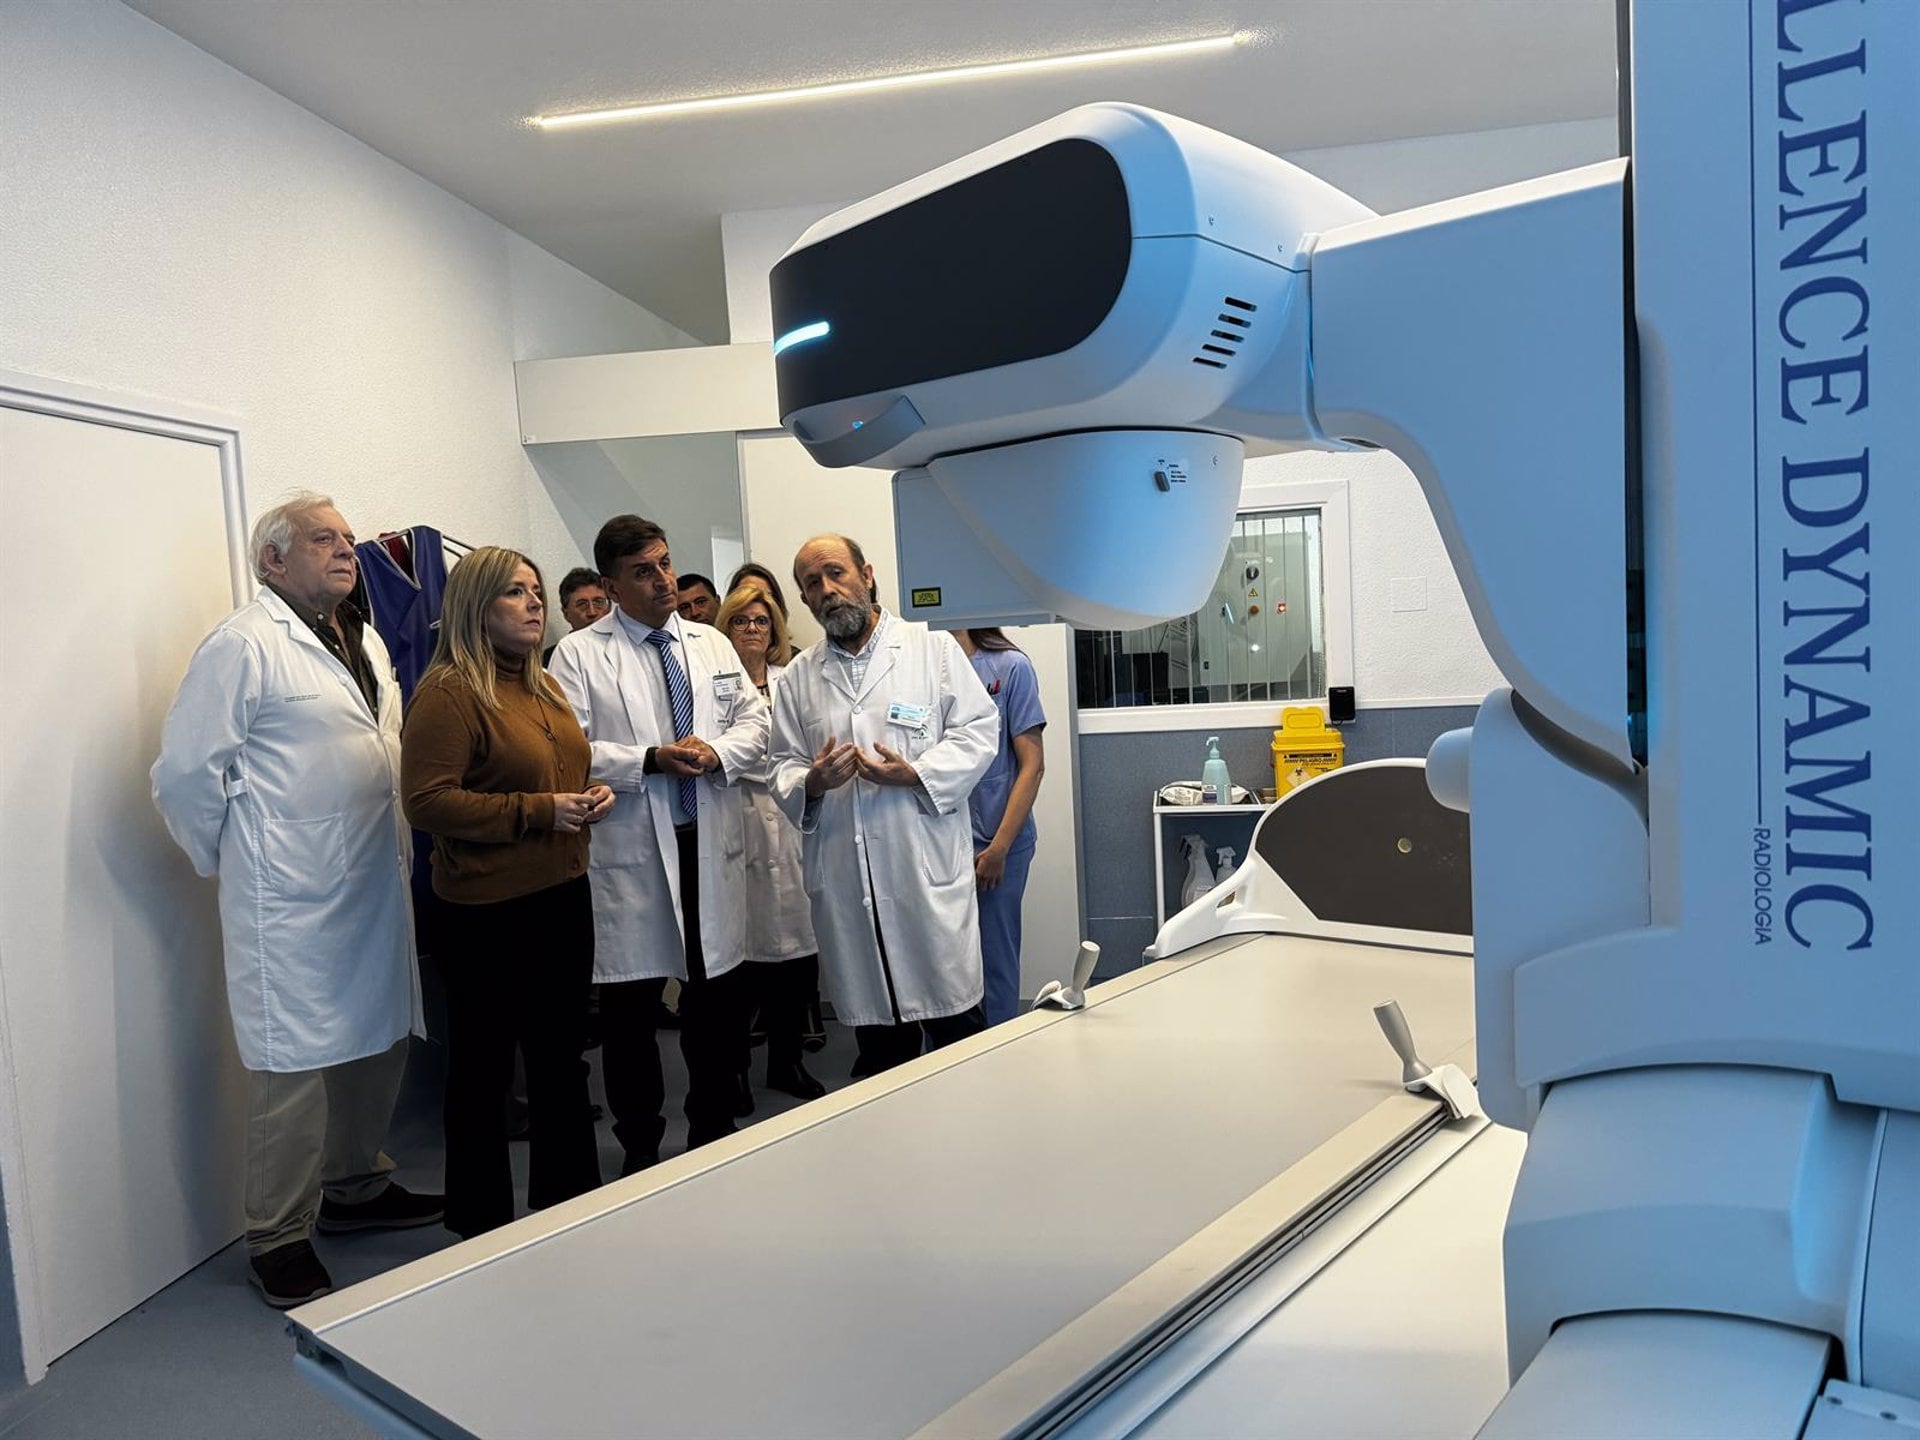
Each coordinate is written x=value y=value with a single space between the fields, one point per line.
x=516 y=972
x=713 y=1026
x=885 y=1046
x=781 y=990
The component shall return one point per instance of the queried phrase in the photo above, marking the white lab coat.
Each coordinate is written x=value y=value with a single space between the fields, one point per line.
x=274 y=775
x=779 y=916
x=903 y=854
x=634 y=860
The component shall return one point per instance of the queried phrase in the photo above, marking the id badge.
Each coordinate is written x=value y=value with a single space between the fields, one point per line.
x=909 y=717
x=726 y=686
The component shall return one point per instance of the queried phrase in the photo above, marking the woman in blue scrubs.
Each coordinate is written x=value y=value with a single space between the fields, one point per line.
x=1002 y=807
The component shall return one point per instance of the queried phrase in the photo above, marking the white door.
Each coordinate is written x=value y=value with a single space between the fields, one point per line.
x=787 y=500
x=123 y=1109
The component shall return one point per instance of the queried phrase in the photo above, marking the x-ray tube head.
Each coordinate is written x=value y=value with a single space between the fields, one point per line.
x=1112 y=267
x=1114 y=270
x=1112 y=528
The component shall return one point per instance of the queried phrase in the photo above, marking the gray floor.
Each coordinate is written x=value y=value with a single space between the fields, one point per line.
x=206 y=1360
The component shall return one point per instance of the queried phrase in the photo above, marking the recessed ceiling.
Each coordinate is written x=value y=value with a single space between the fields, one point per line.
x=445 y=88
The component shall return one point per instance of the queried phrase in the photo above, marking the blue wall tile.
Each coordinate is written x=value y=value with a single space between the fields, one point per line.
x=1121 y=940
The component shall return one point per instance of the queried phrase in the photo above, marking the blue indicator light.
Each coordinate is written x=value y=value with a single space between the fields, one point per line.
x=816 y=331
x=859 y=424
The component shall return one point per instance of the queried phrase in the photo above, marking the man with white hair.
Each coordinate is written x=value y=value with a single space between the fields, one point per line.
x=278 y=772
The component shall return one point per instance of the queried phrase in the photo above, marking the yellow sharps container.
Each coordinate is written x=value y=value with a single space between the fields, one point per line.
x=1303 y=747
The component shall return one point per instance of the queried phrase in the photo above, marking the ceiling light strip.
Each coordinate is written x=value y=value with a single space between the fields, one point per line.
x=1166 y=50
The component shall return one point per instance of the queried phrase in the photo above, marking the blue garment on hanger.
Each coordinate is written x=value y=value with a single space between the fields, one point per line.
x=405 y=607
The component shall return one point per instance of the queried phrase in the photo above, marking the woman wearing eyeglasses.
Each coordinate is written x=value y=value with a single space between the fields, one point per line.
x=785 y=961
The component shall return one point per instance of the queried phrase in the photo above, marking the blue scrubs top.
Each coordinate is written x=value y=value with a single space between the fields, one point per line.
x=1009 y=678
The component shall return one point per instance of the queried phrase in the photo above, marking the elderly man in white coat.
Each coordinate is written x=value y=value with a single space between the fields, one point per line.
x=880 y=732
x=278 y=772
x=671 y=719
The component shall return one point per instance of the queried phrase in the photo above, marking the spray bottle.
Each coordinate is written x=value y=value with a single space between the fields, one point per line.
x=1229 y=862
x=1199 y=878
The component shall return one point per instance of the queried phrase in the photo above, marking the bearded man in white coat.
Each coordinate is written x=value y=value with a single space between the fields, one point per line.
x=674 y=722
x=880 y=732
x=278 y=772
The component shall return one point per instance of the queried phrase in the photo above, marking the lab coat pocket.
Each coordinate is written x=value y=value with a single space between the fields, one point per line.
x=945 y=853
x=620 y=841
x=910 y=741
x=304 y=859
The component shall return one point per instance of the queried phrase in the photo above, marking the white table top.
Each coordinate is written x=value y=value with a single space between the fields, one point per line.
x=1403 y=1334
x=855 y=1268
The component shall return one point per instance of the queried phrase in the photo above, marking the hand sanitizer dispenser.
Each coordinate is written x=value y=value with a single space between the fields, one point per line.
x=1216 y=788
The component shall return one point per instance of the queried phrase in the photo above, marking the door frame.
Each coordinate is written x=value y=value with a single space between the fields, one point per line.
x=40 y=395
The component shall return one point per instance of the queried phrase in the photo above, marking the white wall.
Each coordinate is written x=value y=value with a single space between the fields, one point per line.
x=688 y=484
x=790 y=499
x=751 y=242
x=1399 y=174
x=175 y=229
x=1402 y=655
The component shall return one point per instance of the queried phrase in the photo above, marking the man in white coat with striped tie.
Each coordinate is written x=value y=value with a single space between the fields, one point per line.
x=674 y=722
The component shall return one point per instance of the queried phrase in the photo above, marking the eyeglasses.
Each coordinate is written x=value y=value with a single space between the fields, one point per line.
x=750 y=622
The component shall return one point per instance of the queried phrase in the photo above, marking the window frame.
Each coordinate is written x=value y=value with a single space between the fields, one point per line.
x=1329 y=497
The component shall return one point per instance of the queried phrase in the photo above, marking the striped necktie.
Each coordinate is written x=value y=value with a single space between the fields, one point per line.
x=680 y=701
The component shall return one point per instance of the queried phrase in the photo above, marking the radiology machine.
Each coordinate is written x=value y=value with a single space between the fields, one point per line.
x=1638 y=398
x=1666 y=411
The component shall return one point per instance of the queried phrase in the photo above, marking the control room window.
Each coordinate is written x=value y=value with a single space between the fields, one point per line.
x=1261 y=640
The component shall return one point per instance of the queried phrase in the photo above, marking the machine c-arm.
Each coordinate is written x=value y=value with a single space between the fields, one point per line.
x=1072 y=444
x=1067 y=343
